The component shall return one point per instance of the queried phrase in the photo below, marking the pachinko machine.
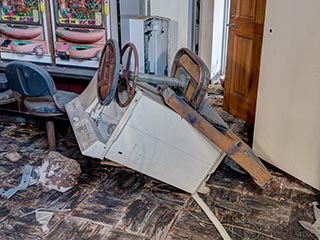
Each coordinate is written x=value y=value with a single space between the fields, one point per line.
x=24 y=30
x=80 y=31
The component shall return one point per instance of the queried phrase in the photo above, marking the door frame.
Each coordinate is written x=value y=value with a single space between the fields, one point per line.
x=213 y=35
x=244 y=58
x=225 y=38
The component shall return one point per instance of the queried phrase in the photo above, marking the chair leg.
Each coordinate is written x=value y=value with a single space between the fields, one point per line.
x=51 y=135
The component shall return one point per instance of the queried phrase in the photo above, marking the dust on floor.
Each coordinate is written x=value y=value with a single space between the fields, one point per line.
x=118 y=203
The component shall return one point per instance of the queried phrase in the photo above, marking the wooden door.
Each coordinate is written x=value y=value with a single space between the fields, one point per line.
x=243 y=57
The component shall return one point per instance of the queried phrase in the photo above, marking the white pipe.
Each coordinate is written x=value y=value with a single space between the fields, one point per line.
x=211 y=216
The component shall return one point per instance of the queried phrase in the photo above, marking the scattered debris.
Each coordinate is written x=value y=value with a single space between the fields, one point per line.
x=13 y=156
x=215 y=89
x=59 y=172
x=27 y=175
x=135 y=212
x=44 y=217
x=56 y=172
x=315 y=227
x=218 y=102
x=228 y=118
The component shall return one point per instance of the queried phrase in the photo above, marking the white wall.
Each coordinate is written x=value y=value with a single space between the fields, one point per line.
x=180 y=14
x=287 y=131
x=132 y=7
x=129 y=9
x=217 y=34
x=206 y=32
x=211 y=34
x=178 y=11
x=211 y=28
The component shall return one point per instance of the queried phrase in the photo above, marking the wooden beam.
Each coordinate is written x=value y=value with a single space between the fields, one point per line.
x=228 y=143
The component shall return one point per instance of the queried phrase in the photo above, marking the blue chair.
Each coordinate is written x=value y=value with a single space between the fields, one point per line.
x=35 y=89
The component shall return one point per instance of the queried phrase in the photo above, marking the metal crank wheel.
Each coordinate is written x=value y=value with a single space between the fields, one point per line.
x=129 y=78
x=189 y=67
x=108 y=73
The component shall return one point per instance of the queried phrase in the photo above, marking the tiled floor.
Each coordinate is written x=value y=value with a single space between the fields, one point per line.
x=118 y=203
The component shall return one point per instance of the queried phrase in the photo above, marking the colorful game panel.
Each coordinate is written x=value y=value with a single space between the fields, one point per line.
x=20 y=11
x=80 y=12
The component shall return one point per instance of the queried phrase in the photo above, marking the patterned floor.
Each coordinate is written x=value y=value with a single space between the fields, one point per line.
x=118 y=203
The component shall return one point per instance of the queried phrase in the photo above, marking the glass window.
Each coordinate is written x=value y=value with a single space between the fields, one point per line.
x=24 y=11
x=80 y=12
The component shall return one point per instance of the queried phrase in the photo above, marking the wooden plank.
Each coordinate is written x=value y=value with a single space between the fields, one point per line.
x=191 y=67
x=194 y=71
x=189 y=93
x=76 y=228
x=252 y=165
x=149 y=216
